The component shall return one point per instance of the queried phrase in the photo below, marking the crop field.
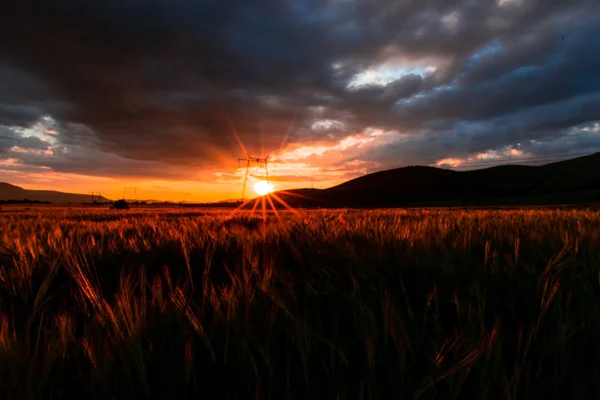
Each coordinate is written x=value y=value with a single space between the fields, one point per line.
x=337 y=304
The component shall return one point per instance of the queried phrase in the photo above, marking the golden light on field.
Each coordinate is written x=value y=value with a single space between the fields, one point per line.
x=263 y=188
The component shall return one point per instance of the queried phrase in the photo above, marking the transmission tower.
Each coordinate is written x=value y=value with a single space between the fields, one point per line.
x=249 y=161
x=96 y=196
x=131 y=189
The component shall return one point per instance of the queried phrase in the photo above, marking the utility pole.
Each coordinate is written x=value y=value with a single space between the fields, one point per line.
x=96 y=196
x=249 y=160
x=131 y=189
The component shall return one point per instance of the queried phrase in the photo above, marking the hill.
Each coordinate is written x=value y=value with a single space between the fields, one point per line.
x=10 y=192
x=584 y=165
x=575 y=181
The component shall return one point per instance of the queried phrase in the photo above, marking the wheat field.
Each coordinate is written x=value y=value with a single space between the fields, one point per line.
x=338 y=304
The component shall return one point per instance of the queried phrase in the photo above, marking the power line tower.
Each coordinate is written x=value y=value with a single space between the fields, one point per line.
x=131 y=189
x=249 y=161
x=96 y=196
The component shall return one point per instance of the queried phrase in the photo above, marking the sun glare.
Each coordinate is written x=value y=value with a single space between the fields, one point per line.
x=262 y=188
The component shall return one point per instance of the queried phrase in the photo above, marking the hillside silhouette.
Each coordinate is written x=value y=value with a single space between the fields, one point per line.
x=10 y=192
x=575 y=181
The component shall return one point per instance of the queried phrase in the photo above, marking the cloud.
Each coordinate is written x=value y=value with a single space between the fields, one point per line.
x=162 y=88
x=19 y=114
x=9 y=139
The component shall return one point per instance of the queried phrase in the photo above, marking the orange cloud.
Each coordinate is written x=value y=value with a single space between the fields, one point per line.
x=479 y=159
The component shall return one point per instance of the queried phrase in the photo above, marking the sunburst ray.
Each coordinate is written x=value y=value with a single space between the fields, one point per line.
x=288 y=193
x=273 y=207
x=287 y=133
x=236 y=135
x=254 y=207
x=240 y=207
x=283 y=203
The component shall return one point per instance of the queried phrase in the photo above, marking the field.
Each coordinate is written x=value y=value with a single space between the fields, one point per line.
x=335 y=304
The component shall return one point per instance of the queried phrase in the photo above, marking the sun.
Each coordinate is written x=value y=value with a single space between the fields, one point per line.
x=263 y=188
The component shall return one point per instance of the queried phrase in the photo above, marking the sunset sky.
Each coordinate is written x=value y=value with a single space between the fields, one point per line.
x=167 y=95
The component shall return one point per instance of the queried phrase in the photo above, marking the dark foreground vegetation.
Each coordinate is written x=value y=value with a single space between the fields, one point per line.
x=24 y=201
x=327 y=304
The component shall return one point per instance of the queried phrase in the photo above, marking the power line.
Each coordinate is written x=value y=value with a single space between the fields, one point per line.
x=516 y=161
x=257 y=160
x=130 y=189
x=534 y=159
x=96 y=196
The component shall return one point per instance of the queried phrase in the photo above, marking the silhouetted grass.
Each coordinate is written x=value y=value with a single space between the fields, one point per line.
x=326 y=304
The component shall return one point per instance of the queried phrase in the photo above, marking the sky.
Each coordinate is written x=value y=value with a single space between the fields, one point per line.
x=167 y=95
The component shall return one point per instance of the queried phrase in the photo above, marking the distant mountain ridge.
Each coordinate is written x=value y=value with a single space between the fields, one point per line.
x=574 y=181
x=10 y=192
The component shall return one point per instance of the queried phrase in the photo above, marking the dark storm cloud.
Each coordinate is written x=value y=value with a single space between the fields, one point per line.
x=10 y=139
x=165 y=81
x=542 y=130
x=20 y=115
x=571 y=71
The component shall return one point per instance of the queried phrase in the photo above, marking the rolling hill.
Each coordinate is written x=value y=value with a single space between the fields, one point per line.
x=10 y=192
x=575 y=181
